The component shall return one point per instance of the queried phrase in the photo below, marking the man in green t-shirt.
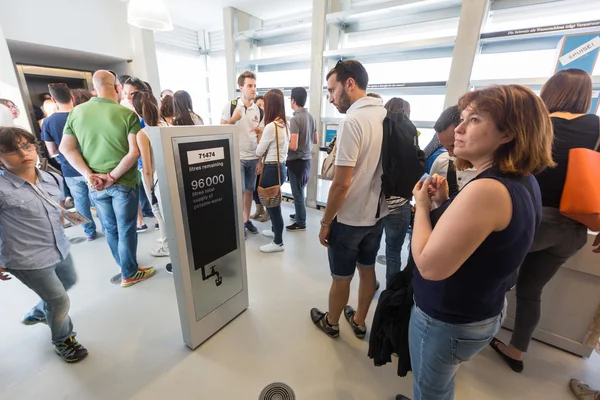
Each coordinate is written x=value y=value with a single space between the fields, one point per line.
x=99 y=141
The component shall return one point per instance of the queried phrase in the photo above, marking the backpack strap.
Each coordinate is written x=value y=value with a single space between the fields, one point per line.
x=232 y=108
x=262 y=114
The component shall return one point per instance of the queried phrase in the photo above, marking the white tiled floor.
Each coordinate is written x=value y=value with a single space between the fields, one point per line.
x=136 y=350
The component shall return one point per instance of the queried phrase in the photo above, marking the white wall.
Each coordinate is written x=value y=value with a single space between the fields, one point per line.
x=94 y=26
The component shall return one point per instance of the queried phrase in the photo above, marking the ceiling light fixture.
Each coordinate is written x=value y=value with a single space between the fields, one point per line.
x=149 y=14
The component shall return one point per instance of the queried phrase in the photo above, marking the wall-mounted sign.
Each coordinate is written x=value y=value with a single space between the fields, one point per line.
x=542 y=29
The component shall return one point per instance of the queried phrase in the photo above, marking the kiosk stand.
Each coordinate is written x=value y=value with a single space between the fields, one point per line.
x=199 y=181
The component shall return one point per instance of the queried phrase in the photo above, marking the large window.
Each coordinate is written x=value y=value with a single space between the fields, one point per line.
x=217 y=83
x=185 y=72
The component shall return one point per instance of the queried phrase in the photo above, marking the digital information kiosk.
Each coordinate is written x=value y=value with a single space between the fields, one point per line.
x=199 y=181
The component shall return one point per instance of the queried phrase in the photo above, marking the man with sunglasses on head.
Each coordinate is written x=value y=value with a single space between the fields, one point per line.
x=351 y=227
x=100 y=142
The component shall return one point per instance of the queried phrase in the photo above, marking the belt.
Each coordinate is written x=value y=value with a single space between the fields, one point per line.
x=273 y=162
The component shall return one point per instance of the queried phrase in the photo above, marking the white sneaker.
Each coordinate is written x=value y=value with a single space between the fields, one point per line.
x=159 y=240
x=268 y=233
x=271 y=248
x=160 y=252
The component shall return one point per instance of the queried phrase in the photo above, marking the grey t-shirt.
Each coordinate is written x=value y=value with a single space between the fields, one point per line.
x=304 y=124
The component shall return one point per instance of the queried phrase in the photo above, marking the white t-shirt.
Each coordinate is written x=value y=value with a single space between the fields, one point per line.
x=250 y=120
x=440 y=167
x=359 y=140
x=267 y=143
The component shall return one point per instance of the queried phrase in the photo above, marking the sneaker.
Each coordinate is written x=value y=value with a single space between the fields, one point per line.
x=272 y=248
x=142 y=228
x=160 y=252
x=159 y=240
x=359 y=331
x=250 y=227
x=141 y=275
x=157 y=226
x=92 y=238
x=31 y=320
x=268 y=233
x=319 y=318
x=70 y=350
x=583 y=391
x=295 y=228
x=169 y=268
x=293 y=217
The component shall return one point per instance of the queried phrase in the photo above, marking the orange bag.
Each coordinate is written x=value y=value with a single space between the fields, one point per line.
x=580 y=200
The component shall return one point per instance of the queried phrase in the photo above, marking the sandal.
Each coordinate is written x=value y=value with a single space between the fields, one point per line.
x=515 y=365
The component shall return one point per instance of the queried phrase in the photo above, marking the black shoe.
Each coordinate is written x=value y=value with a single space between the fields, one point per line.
x=515 y=365
x=359 y=331
x=377 y=285
x=70 y=350
x=169 y=268
x=293 y=217
x=295 y=228
x=141 y=229
x=250 y=227
x=319 y=318
x=401 y=397
x=156 y=226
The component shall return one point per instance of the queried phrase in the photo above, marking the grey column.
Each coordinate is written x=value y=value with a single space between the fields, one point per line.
x=473 y=15
x=316 y=91
x=228 y=32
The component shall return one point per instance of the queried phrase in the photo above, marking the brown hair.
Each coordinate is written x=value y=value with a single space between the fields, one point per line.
x=274 y=106
x=146 y=106
x=242 y=78
x=398 y=105
x=81 y=96
x=569 y=90
x=11 y=136
x=166 y=107
x=518 y=111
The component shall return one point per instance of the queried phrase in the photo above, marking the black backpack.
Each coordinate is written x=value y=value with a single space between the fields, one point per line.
x=234 y=106
x=402 y=160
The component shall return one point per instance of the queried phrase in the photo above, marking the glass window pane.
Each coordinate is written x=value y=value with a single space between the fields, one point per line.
x=217 y=80
x=422 y=107
x=184 y=72
x=521 y=64
x=290 y=78
x=401 y=34
x=429 y=70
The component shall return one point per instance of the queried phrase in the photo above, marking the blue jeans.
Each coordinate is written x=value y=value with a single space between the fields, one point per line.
x=81 y=195
x=299 y=201
x=396 y=226
x=51 y=284
x=118 y=207
x=270 y=179
x=438 y=348
x=145 y=202
x=248 y=175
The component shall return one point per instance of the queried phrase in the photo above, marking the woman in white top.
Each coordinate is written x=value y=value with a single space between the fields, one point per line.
x=183 y=110
x=273 y=147
x=146 y=106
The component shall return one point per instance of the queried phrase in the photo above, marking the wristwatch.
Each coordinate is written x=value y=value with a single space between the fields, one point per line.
x=325 y=224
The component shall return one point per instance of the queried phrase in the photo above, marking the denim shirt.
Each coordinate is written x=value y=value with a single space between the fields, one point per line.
x=31 y=232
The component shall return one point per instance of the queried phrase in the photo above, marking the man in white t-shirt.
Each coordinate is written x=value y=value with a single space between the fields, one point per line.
x=351 y=227
x=444 y=163
x=249 y=118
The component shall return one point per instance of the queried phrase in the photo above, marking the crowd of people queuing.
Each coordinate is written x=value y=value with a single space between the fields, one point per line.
x=501 y=148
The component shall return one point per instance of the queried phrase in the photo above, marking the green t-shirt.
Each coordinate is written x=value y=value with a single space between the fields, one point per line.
x=101 y=127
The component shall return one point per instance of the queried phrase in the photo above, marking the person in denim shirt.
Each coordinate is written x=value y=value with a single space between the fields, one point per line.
x=29 y=206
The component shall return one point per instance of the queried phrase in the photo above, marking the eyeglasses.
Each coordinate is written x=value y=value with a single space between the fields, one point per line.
x=24 y=148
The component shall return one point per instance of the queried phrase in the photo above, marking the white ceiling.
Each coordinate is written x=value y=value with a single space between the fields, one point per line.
x=208 y=14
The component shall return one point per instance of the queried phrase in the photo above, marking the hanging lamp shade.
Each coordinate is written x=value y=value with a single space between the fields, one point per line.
x=149 y=14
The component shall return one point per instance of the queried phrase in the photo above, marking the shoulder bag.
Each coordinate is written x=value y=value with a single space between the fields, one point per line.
x=580 y=200
x=328 y=167
x=271 y=197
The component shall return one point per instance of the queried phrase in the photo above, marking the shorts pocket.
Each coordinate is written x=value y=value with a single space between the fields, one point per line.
x=464 y=349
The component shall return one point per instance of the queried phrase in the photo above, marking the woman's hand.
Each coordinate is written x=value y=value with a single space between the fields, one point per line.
x=421 y=193
x=439 y=190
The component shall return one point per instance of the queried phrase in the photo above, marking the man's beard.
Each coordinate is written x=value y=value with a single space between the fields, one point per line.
x=344 y=103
